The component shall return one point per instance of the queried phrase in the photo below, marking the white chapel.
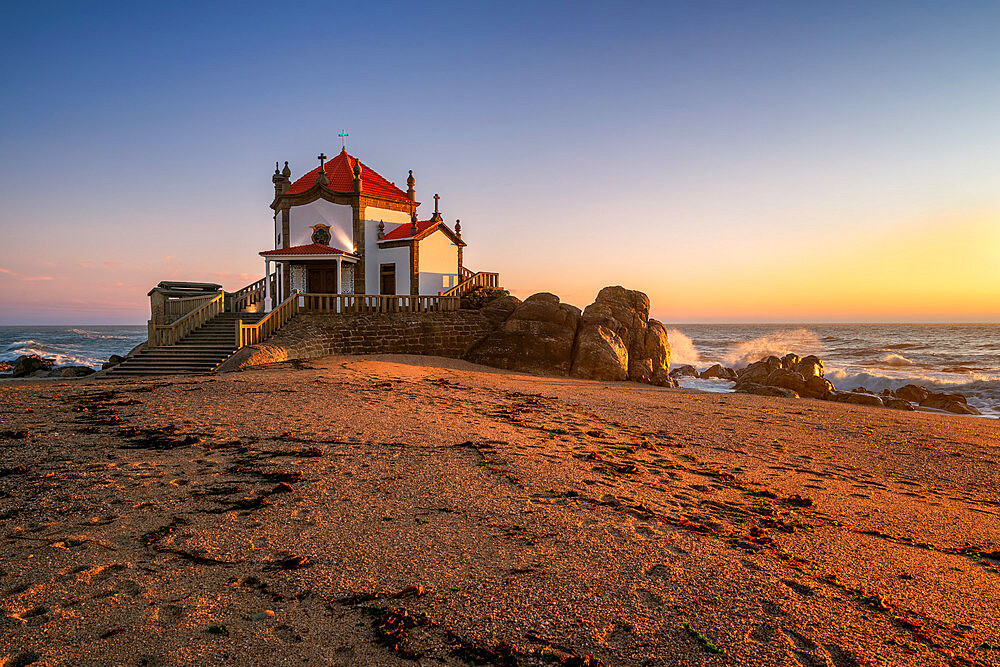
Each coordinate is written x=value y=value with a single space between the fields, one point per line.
x=343 y=228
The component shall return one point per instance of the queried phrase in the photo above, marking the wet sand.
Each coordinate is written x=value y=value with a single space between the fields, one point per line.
x=405 y=510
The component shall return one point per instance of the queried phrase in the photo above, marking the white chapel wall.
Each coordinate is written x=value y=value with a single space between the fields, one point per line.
x=398 y=256
x=376 y=256
x=438 y=264
x=340 y=217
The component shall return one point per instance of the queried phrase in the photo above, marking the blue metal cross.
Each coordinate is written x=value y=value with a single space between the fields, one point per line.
x=343 y=138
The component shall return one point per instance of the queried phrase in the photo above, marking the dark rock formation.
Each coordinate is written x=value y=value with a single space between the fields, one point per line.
x=30 y=364
x=718 y=372
x=113 y=360
x=684 y=370
x=537 y=336
x=616 y=340
x=764 y=390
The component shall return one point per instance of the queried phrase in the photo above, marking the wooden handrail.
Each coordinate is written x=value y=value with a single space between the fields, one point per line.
x=367 y=304
x=245 y=297
x=480 y=279
x=175 y=309
x=171 y=334
x=251 y=334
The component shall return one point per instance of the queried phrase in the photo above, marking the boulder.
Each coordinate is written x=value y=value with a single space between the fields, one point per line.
x=764 y=390
x=537 y=337
x=790 y=361
x=912 y=392
x=614 y=342
x=29 y=365
x=684 y=370
x=810 y=366
x=955 y=403
x=113 y=360
x=896 y=403
x=817 y=387
x=498 y=310
x=858 y=398
x=718 y=372
x=76 y=371
x=756 y=372
x=651 y=363
x=788 y=379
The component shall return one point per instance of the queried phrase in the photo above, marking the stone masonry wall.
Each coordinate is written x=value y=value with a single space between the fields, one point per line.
x=313 y=335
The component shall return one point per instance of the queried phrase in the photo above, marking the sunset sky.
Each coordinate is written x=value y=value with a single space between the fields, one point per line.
x=765 y=161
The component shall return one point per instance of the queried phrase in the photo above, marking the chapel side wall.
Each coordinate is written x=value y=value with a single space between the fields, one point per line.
x=316 y=335
x=438 y=264
x=375 y=256
x=340 y=218
x=398 y=256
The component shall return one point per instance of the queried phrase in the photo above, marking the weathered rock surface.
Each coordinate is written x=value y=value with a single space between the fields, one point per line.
x=858 y=398
x=805 y=377
x=764 y=390
x=616 y=340
x=113 y=360
x=537 y=336
x=30 y=364
x=912 y=392
x=685 y=370
x=718 y=372
x=955 y=403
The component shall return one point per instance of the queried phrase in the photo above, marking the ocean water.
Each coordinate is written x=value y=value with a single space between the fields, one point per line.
x=944 y=357
x=70 y=346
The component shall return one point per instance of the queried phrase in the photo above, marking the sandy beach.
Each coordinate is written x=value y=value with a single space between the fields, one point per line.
x=406 y=510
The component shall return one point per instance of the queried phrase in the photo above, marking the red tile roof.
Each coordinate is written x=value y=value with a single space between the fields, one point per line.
x=403 y=231
x=340 y=171
x=311 y=249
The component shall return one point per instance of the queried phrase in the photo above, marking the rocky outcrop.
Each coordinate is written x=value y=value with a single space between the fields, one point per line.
x=113 y=360
x=804 y=377
x=764 y=390
x=537 y=336
x=616 y=340
x=718 y=372
x=955 y=403
x=686 y=370
x=30 y=364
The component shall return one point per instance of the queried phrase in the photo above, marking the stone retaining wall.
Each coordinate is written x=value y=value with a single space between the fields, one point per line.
x=313 y=335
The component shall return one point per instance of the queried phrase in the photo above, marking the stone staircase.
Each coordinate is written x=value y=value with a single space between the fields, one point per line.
x=201 y=351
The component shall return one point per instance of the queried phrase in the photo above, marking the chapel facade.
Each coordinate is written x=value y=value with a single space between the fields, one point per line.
x=344 y=229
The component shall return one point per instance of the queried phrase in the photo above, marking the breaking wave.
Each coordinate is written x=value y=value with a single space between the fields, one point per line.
x=896 y=360
x=682 y=349
x=799 y=341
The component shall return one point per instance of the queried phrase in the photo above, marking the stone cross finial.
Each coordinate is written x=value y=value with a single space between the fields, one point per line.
x=437 y=214
x=321 y=177
x=343 y=138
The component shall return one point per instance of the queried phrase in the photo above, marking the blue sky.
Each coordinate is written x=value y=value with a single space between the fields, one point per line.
x=731 y=159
